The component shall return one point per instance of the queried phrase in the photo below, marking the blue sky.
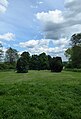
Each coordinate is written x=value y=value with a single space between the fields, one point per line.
x=39 y=26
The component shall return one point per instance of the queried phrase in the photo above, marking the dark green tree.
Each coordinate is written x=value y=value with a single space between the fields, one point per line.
x=56 y=64
x=49 y=61
x=43 y=61
x=76 y=56
x=26 y=56
x=1 y=52
x=22 y=65
x=34 y=62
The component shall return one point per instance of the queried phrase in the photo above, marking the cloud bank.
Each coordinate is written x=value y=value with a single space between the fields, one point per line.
x=59 y=24
x=3 y=5
x=7 y=36
x=50 y=47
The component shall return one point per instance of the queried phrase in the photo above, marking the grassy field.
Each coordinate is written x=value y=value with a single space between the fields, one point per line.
x=40 y=95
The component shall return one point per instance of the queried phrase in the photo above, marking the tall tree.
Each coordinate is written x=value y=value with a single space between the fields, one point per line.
x=43 y=61
x=1 y=52
x=74 y=52
x=56 y=64
x=76 y=56
x=49 y=61
x=26 y=56
x=11 y=55
x=34 y=62
x=22 y=65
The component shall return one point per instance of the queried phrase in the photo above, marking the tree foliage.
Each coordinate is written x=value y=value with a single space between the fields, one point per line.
x=74 y=52
x=76 y=57
x=11 y=55
x=34 y=62
x=56 y=64
x=76 y=39
x=26 y=56
x=43 y=61
x=22 y=65
x=68 y=53
x=38 y=62
x=1 y=52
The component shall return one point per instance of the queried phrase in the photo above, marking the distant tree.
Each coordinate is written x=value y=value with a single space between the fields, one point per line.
x=39 y=62
x=43 y=61
x=11 y=55
x=1 y=52
x=49 y=61
x=34 y=62
x=22 y=65
x=56 y=64
x=26 y=56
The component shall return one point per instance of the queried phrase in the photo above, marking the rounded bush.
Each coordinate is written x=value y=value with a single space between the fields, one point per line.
x=22 y=65
x=56 y=64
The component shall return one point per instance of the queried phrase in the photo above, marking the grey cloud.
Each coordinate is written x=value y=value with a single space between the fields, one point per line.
x=71 y=21
x=52 y=35
x=73 y=5
x=49 y=26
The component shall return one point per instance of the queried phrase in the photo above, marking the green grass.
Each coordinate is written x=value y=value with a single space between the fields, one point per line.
x=40 y=95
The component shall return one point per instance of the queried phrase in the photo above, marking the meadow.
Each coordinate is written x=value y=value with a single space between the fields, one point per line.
x=40 y=95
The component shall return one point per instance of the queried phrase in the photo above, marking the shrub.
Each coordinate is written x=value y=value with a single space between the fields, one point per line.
x=22 y=65
x=7 y=66
x=56 y=64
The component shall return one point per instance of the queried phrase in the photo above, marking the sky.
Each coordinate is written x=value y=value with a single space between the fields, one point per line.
x=38 y=26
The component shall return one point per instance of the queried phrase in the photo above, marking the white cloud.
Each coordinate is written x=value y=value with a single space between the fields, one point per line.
x=61 y=42
x=52 y=16
x=0 y=42
x=43 y=45
x=29 y=44
x=59 y=24
x=4 y=2
x=7 y=36
x=3 y=5
x=69 y=1
x=2 y=9
x=34 y=43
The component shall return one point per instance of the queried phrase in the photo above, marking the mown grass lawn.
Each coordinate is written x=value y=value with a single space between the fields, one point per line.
x=40 y=95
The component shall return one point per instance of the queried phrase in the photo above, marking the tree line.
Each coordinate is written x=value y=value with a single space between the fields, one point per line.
x=25 y=62
x=38 y=62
